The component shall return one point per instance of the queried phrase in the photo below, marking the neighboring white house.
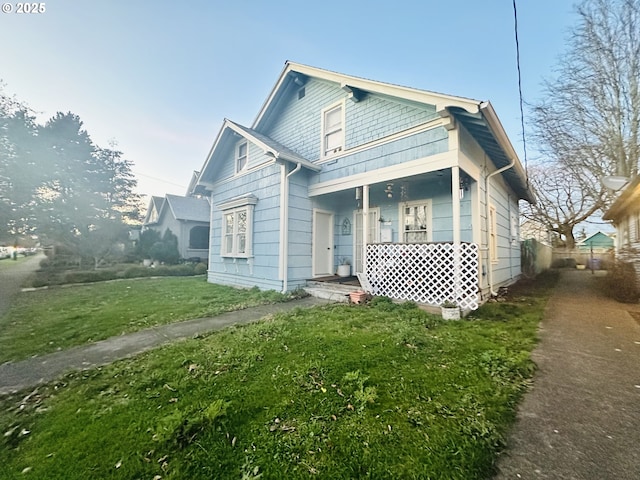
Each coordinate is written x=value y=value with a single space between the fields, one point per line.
x=624 y=213
x=418 y=190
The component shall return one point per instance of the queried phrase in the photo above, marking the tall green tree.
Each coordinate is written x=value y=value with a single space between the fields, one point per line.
x=57 y=184
x=19 y=172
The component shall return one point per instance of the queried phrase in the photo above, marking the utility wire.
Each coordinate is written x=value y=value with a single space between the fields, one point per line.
x=524 y=140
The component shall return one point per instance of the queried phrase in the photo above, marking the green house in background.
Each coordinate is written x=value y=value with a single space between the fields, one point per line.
x=600 y=242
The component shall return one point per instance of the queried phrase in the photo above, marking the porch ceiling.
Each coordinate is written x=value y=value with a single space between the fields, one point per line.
x=480 y=130
x=377 y=192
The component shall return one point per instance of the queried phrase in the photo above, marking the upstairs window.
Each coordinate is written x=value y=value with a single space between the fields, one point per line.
x=333 y=130
x=241 y=156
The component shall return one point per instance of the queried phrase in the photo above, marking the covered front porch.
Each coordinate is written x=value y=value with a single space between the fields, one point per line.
x=419 y=242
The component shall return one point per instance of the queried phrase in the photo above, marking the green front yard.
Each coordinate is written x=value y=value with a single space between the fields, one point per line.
x=376 y=391
x=44 y=321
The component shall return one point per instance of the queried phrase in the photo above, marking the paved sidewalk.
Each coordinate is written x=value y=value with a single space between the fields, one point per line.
x=36 y=370
x=581 y=420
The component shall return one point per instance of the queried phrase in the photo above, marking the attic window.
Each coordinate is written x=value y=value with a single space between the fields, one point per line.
x=301 y=93
x=241 y=156
x=333 y=130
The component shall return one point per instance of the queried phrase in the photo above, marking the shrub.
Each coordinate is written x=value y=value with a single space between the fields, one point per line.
x=138 y=271
x=89 y=276
x=174 y=270
x=622 y=283
x=200 y=269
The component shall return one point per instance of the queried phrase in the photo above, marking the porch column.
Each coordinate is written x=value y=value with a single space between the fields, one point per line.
x=455 y=202
x=365 y=226
x=455 y=205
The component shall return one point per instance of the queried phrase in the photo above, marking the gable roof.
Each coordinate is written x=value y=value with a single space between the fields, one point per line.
x=294 y=75
x=155 y=205
x=270 y=147
x=188 y=208
x=598 y=238
x=478 y=117
x=194 y=188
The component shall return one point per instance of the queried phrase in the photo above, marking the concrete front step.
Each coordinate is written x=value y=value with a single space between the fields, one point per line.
x=330 y=291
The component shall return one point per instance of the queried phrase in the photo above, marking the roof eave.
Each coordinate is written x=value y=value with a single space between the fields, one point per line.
x=440 y=100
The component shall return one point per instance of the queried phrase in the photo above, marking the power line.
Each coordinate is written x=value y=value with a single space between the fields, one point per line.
x=524 y=140
x=159 y=180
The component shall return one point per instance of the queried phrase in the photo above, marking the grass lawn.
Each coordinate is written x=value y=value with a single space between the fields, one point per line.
x=44 y=321
x=7 y=263
x=380 y=391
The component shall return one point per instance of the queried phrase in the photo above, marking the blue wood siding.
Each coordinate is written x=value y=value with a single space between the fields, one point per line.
x=508 y=266
x=300 y=120
x=264 y=183
x=420 y=145
x=300 y=230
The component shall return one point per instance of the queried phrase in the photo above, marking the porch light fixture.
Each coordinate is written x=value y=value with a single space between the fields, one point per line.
x=464 y=186
x=389 y=190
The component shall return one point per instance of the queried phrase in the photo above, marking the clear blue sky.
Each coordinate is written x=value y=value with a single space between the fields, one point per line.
x=160 y=76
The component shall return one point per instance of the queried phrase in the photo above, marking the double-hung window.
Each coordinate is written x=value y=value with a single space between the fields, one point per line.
x=416 y=221
x=333 y=130
x=241 y=156
x=237 y=227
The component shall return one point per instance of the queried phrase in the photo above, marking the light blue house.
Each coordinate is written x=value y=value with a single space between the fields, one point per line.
x=418 y=190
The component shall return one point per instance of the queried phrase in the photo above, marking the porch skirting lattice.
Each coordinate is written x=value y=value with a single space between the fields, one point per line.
x=430 y=273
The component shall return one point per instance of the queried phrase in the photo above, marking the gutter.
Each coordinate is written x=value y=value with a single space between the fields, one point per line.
x=284 y=222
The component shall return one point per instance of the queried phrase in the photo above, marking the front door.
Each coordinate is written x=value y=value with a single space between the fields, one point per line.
x=322 y=243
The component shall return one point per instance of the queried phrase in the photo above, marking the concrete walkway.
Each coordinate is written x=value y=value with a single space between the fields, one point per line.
x=581 y=420
x=42 y=369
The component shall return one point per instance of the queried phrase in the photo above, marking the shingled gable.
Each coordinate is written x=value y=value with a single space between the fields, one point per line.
x=275 y=150
x=478 y=117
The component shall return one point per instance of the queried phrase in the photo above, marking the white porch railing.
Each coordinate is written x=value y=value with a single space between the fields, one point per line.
x=430 y=273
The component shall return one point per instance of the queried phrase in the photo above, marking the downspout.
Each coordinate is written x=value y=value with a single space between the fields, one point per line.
x=486 y=206
x=284 y=223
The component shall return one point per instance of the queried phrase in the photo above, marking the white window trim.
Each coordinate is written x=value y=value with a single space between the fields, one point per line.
x=493 y=233
x=324 y=132
x=236 y=156
x=401 y=231
x=234 y=207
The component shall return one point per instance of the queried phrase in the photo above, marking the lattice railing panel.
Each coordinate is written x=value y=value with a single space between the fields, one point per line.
x=430 y=273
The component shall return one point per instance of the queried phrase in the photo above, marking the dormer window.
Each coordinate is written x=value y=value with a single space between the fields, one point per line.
x=333 y=130
x=241 y=156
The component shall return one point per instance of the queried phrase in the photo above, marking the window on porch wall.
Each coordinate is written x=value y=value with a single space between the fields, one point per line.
x=416 y=221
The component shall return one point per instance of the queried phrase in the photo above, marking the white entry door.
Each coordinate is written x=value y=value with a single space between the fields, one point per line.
x=372 y=237
x=322 y=243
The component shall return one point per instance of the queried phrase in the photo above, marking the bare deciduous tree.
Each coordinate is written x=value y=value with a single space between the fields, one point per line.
x=561 y=204
x=589 y=121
